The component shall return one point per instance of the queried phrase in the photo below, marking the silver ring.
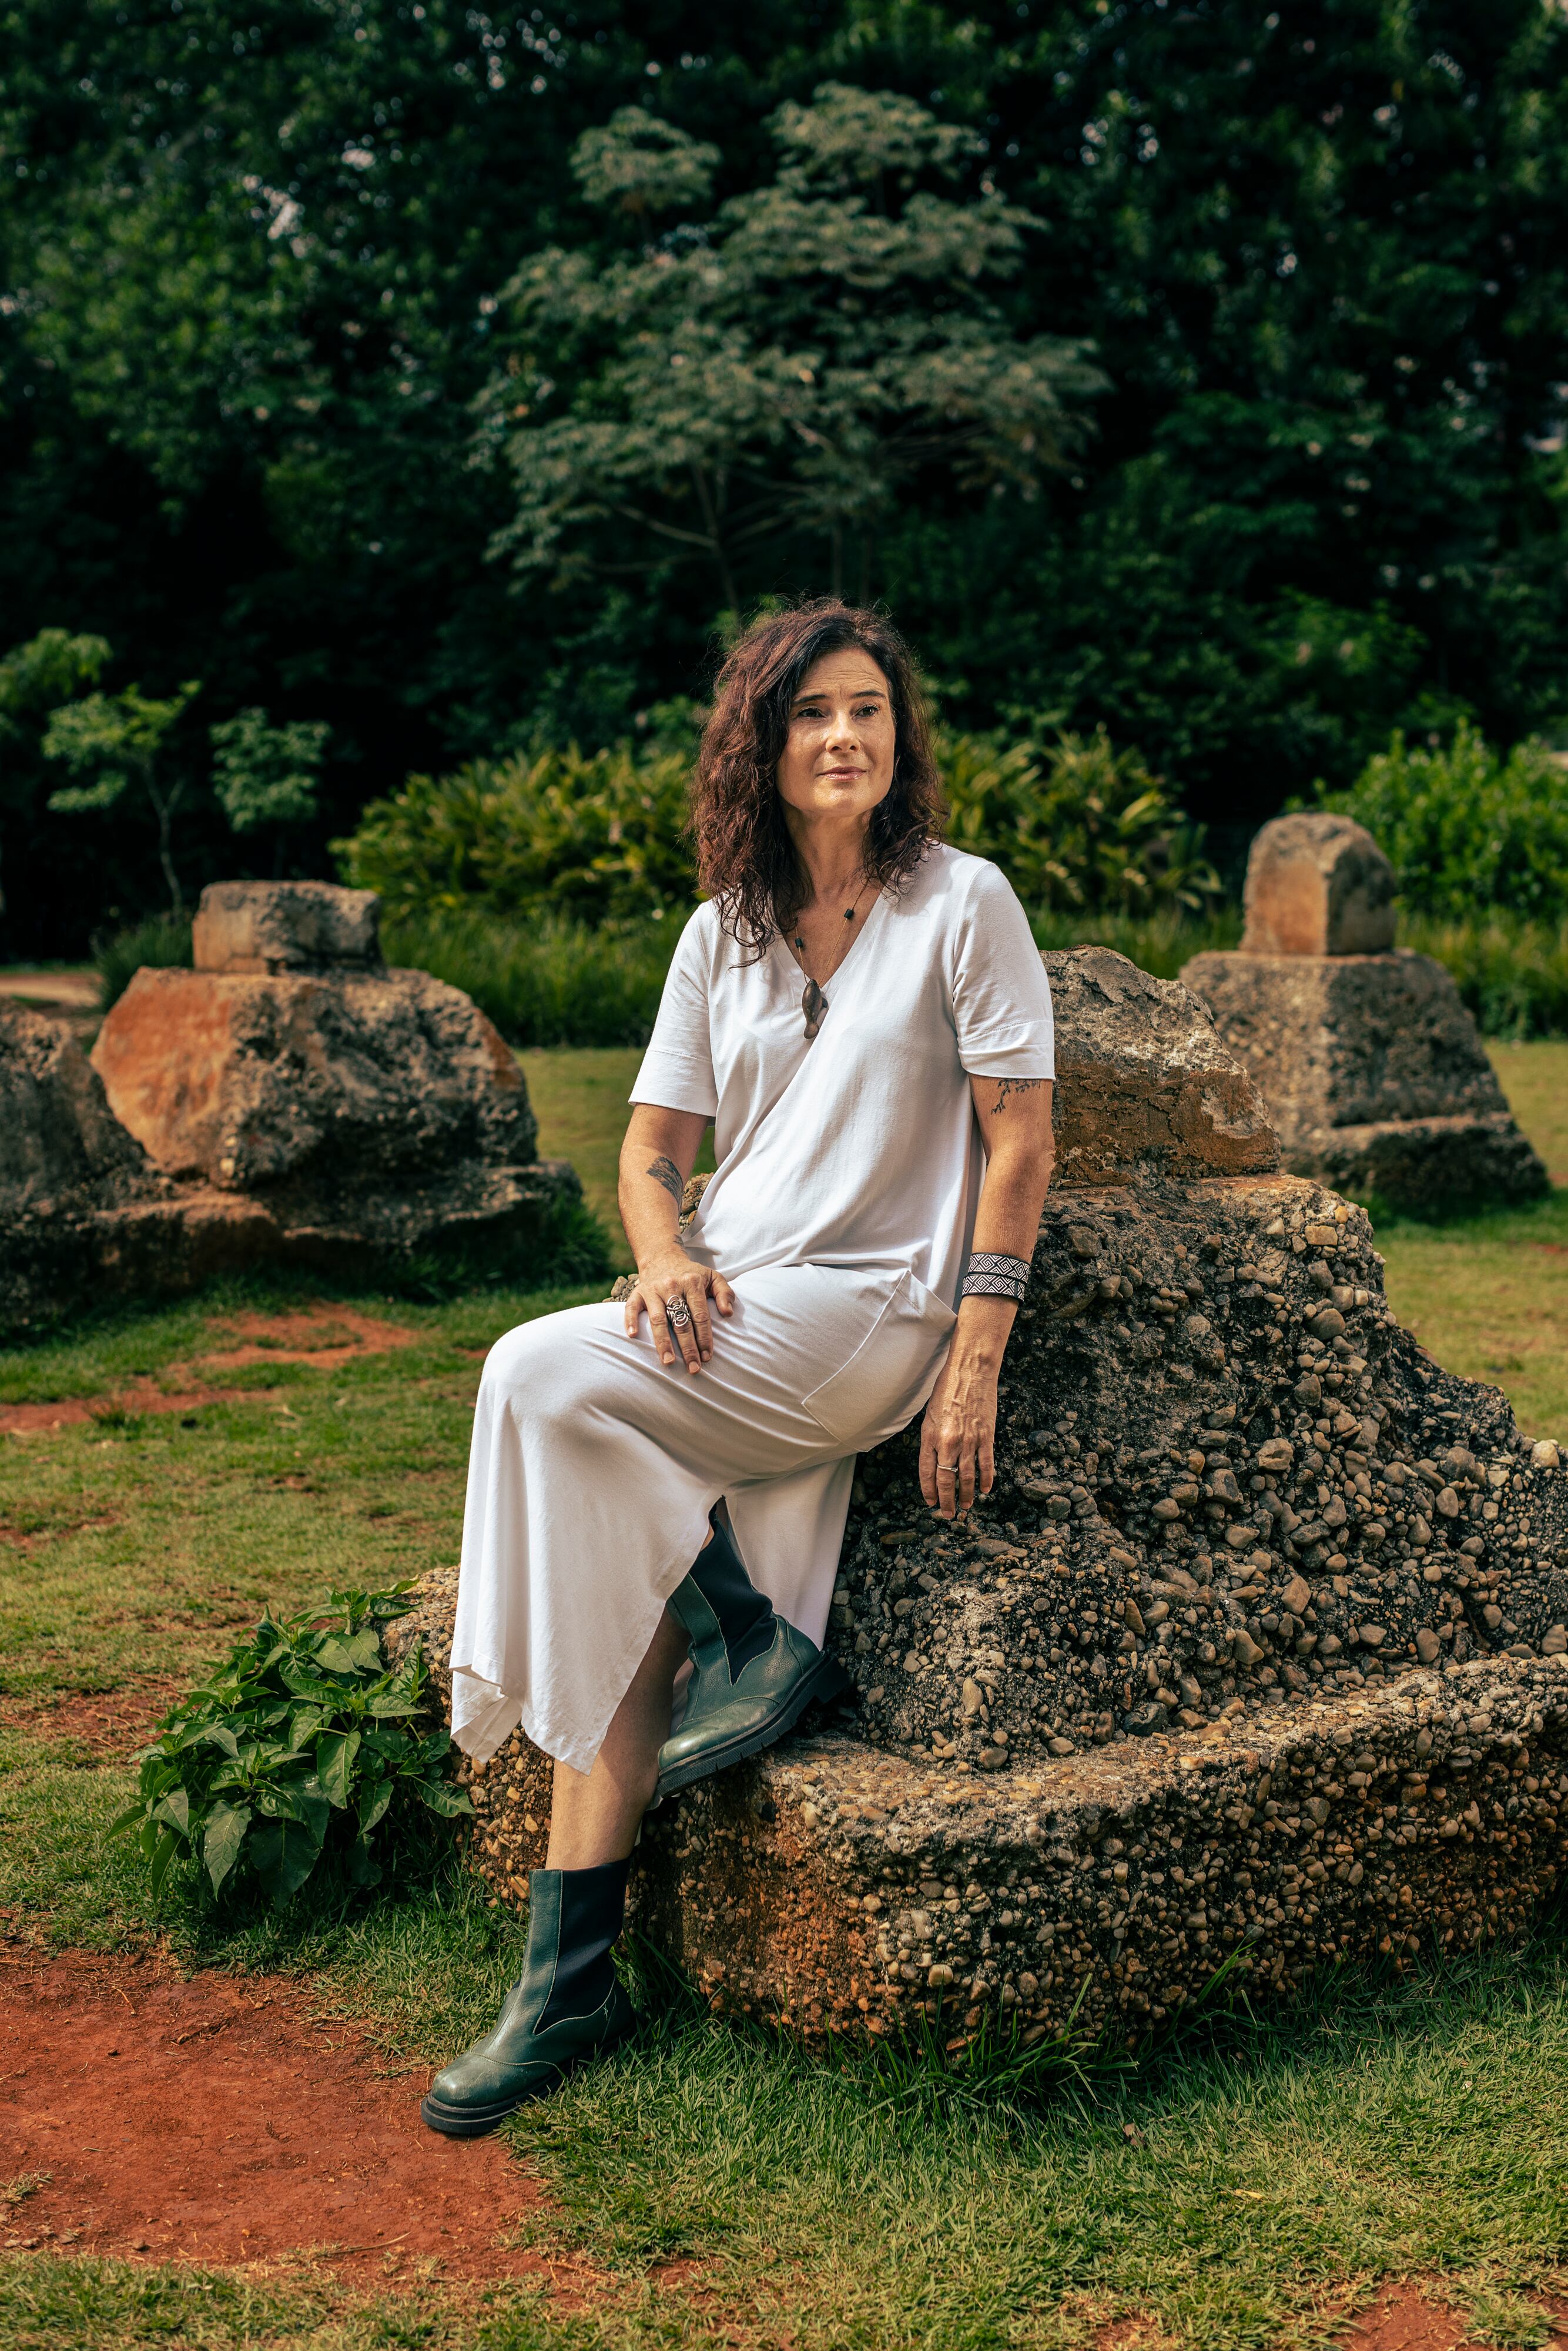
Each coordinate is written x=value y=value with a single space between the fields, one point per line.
x=948 y=1469
x=677 y=1313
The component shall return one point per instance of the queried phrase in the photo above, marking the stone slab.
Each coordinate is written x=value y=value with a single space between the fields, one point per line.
x=1144 y=1082
x=1317 y=884
x=1374 y=1072
x=276 y=926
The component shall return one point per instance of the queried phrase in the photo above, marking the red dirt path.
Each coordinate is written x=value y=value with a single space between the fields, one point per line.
x=213 y=2120
x=325 y=1336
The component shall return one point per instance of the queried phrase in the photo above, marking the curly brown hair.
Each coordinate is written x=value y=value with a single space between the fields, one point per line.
x=746 y=859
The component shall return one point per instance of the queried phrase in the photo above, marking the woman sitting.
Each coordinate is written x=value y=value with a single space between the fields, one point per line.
x=864 y=1017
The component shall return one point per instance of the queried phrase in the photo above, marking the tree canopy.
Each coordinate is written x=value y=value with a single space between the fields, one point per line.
x=274 y=286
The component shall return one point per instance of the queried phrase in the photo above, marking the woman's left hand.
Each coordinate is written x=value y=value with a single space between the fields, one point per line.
x=958 y=1435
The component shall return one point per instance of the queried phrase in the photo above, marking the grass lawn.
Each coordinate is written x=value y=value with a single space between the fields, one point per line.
x=1240 y=2190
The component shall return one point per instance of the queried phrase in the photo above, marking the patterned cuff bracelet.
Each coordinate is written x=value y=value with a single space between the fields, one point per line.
x=990 y=1275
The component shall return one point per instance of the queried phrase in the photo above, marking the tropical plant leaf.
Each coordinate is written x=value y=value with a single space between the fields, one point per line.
x=335 y=1753
x=225 y=1831
x=175 y=1810
x=283 y=1852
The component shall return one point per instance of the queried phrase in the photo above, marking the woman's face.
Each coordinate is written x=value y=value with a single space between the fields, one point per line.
x=839 y=754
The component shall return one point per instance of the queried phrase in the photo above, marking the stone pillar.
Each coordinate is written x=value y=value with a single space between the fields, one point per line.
x=1373 y=1069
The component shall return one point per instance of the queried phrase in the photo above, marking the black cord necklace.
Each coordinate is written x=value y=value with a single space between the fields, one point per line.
x=849 y=911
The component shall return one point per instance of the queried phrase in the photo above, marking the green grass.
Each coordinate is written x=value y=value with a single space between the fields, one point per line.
x=1240 y=2189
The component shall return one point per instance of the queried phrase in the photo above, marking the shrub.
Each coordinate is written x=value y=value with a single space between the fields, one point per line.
x=1075 y=824
x=598 y=837
x=160 y=940
x=1078 y=825
x=1513 y=976
x=1466 y=829
x=305 y=1751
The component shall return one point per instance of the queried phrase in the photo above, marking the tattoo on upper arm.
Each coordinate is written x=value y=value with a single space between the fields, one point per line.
x=665 y=1172
x=1005 y=1086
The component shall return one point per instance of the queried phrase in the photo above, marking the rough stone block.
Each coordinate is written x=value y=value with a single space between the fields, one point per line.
x=1143 y=1081
x=314 y=1082
x=350 y=1121
x=1237 y=1512
x=1317 y=884
x=1373 y=1073
x=278 y=926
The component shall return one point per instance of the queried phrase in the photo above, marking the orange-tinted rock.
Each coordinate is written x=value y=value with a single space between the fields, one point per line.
x=1318 y=885
x=303 y=1080
x=342 y=1115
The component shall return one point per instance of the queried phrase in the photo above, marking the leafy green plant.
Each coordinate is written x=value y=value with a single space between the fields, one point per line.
x=306 y=1747
x=1074 y=825
x=1467 y=827
x=266 y=775
x=162 y=941
x=598 y=836
x=788 y=369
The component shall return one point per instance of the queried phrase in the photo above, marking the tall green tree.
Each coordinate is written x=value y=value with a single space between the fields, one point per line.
x=783 y=369
x=117 y=742
x=250 y=282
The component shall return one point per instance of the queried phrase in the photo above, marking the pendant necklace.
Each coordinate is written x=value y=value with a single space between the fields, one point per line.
x=813 y=1003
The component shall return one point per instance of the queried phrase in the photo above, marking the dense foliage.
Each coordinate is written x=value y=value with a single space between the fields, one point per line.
x=305 y=1748
x=562 y=836
x=255 y=331
x=1466 y=829
x=563 y=833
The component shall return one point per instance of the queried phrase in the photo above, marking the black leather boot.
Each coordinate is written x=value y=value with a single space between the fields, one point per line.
x=566 y=2007
x=753 y=1676
x=744 y=1614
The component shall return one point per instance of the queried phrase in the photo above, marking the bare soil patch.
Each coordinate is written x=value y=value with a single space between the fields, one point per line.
x=326 y=1336
x=213 y=2119
x=111 y=1724
x=1404 y=2319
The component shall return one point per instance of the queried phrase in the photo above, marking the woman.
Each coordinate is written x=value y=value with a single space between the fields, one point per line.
x=863 y=1014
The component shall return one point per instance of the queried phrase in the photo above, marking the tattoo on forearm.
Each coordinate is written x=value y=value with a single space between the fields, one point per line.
x=1005 y=1086
x=665 y=1172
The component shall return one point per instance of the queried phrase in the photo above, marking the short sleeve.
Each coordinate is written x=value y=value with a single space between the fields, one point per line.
x=677 y=1068
x=1001 y=996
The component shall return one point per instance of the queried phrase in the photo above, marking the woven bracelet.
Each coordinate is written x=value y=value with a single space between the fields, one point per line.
x=990 y=1276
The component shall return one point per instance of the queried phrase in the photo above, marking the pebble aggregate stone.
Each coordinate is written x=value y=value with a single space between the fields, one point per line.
x=1257 y=1654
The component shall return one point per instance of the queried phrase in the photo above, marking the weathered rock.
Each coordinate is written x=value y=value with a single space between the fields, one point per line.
x=833 y=1887
x=314 y=1083
x=1317 y=884
x=60 y=1143
x=276 y=926
x=1237 y=1511
x=348 y=1117
x=1143 y=1081
x=1375 y=1074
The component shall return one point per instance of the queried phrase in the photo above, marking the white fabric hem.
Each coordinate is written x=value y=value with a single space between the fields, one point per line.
x=480 y=1732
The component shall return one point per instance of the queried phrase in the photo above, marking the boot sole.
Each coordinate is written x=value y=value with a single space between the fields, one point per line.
x=469 y=2122
x=824 y=1683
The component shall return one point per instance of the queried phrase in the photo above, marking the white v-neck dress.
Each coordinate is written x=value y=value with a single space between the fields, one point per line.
x=841 y=1210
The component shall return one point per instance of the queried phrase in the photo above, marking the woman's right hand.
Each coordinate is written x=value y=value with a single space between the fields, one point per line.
x=661 y=1282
